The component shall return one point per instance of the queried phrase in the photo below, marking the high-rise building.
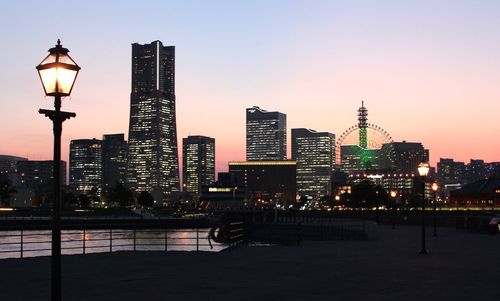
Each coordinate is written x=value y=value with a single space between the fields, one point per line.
x=266 y=135
x=85 y=166
x=114 y=160
x=315 y=156
x=198 y=162
x=152 y=148
x=476 y=170
x=450 y=172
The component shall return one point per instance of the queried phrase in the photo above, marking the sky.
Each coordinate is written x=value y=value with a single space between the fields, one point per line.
x=428 y=71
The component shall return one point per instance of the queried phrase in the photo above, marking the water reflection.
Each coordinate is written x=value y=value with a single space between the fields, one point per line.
x=38 y=243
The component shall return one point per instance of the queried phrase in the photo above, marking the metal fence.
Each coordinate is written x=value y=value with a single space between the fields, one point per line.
x=31 y=243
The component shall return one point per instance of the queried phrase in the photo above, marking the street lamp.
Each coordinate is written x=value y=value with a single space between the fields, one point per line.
x=58 y=73
x=393 y=197
x=423 y=171
x=435 y=188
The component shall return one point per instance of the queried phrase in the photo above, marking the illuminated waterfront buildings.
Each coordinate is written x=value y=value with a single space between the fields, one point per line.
x=314 y=153
x=85 y=166
x=198 y=163
x=265 y=135
x=152 y=154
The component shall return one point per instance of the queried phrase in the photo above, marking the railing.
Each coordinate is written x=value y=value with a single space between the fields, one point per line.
x=29 y=243
x=236 y=234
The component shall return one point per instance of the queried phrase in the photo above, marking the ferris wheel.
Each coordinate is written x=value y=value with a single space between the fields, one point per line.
x=365 y=135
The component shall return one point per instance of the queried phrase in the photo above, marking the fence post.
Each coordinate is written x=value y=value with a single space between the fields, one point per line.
x=84 y=241
x=110 y=240
x=166 y=239
x=134 y=238
x=197 y=240
x=22 y=242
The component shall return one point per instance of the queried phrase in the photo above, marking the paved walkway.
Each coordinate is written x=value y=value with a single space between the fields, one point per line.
x=460 y=266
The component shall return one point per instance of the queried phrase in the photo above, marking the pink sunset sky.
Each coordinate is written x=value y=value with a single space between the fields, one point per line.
x=427 y=71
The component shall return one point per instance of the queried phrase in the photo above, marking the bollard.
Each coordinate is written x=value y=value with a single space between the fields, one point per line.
x=135 y=239
x=166 y=239
x=83 y=247
x=22 y=242
x=197 y=240
x=299 y=233
x=110 y=240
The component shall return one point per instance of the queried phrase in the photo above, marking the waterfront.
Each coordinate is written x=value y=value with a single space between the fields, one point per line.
x=38 y=242
x=461 y=265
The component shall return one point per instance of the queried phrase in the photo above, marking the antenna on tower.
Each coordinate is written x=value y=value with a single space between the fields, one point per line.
x=362 y=125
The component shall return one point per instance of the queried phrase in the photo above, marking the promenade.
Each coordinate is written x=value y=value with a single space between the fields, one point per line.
x=460 y=266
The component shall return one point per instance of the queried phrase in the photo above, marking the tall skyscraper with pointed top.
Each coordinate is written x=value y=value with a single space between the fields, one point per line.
x=152 y=158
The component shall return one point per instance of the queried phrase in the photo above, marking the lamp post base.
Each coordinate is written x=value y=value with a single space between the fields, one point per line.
x=423 y=252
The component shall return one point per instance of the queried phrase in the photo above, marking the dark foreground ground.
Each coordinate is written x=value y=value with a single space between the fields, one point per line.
x=460 y=266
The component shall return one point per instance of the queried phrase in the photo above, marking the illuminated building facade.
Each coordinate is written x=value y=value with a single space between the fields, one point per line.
x=314 y=153
x=152 y=148
x=85 y=166
x=265 y=135
x=198 y=163
x=114 y=160
x=266 y=182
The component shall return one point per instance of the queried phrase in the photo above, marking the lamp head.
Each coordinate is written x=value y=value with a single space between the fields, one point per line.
x=58 y=71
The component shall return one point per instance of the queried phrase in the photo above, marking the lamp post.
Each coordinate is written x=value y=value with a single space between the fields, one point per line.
x=58 y=73
x=393 y=196
x=435 y=189
x=423 y=170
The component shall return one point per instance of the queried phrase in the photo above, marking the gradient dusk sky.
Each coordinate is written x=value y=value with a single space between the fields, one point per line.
x=428 y=71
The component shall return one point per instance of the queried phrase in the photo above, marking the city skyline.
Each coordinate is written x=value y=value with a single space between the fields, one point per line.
x=449 y=72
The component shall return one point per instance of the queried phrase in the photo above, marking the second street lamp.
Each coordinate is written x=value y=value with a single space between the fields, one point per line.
x=423 y=171
x=58 y=73
x=393 y=197
x=435 y=188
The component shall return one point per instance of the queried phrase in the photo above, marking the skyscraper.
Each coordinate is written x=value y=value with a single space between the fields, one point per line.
x=152 y=156
x=114 y=160
x=266 y=135
x=198 y=162
x=85 y=166
x=314 y=153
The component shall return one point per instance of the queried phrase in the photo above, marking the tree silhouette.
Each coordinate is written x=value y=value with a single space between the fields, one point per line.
x=363 y=195
x=120 y=194
x=6 y=191
x=145 y=199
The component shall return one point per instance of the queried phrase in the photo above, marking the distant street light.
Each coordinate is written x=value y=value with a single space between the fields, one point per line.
x=435 y=188
x=393 y=197
x=58 y=73
x=423 y=171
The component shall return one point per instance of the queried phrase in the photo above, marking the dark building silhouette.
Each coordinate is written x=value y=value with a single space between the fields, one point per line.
x=114 y=160
x=39 y=174
x=266 y=182
x=476 y=170
x=152 y=154
x=265 y=135
x=85 y=166
x=450 y=172
x=198 y=162
x=8 y=164
x=483 y=193
x=404 y=157
x=314 y=153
